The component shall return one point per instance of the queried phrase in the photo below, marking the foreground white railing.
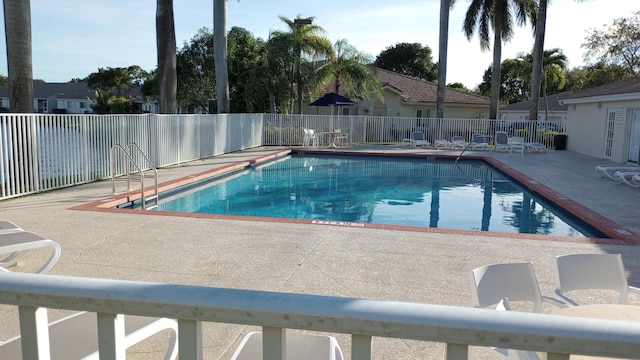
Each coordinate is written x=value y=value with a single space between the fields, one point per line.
x=458 y=327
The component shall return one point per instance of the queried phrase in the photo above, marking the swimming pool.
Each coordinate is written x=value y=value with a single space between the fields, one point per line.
x=419 y=192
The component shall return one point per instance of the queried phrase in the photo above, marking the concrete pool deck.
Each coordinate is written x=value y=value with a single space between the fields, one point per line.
x=427 y=267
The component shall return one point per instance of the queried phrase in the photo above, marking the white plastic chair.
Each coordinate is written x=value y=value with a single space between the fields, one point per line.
x=298 y=346
x=517 y=143
x=515 y=281
x=76 y=337
x=341 y=138
x=592 y=272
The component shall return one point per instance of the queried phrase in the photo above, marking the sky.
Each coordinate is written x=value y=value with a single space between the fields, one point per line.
x=73 y=38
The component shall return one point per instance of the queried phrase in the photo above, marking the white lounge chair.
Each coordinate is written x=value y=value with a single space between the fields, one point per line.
x=76 y=336
x=298 y=346
x=610 y=170
x=418 y=138
x=501 y=142
x=478 y=142
x=590 y=272
x=441 y=144
x=516 y=281
x=628 y=177
x=458 y=142
x=17 y=244
x=7 y=227
x=535 y=147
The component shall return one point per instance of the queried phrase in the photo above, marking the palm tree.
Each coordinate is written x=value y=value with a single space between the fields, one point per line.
x=310 y=43
x=166 y=49
x=496 y=14
x=220 y=54
x=553 y=72
x=536 y=75
x=17 y=20
x=350 y=69
x=443 y=43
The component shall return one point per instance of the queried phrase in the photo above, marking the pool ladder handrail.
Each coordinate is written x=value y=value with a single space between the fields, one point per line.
x=134 y=172
x=462 y=152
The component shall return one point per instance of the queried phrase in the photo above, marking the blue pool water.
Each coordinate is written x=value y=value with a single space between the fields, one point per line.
x=468 y=195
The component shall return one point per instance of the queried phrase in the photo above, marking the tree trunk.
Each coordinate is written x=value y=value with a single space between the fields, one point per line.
x=443 y=43
x=495 y=73
x=166 y=49
x=538 y=53
x=220 y=54
x=17 y=20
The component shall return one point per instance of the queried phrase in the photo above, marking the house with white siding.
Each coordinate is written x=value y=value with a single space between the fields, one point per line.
x=604 y=121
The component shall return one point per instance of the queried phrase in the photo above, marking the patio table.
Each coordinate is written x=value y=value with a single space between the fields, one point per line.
x=598 y=311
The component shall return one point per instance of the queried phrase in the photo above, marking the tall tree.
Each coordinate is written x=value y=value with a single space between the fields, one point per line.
x=17 y=25
x=589 y=76
x=619 y=44
x=275 y=66
x=166 y=52
x=410 y=59
x=538 y=47
x=443 y=44
x=484 y=15
x=350 y=69
x=196 y=74
x=310 y=44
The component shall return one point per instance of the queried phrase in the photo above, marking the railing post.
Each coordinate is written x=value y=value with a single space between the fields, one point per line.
x=190 y=339
x=111 y=334
x=360 y=347
x=274 y=342
x=34 y=330
x=457 y=351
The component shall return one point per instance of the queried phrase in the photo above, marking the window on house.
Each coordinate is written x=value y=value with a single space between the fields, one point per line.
x=422 y=115
x=42 y=106
x=69 y=104
x=83 y=104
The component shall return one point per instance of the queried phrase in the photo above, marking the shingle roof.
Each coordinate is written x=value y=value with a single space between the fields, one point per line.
x=70 y=90
x=417 y=90
x=552 y=101
x=425 y=91
x=619 y=87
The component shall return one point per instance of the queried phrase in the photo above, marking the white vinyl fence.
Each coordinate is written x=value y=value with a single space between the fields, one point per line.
x=287 y=130
x=40 y=152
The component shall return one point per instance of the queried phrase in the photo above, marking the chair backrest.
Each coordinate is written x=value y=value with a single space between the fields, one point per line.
x=417 y=135
x=457 y=138
x=516 y=281
x=502 y=138
x=477 y=138
x=591 y=271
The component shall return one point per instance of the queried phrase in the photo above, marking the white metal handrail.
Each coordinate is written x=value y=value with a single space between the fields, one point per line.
x=132 y=167
x=458 y=327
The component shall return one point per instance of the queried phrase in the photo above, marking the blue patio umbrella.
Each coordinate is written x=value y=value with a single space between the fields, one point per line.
x=332 y=99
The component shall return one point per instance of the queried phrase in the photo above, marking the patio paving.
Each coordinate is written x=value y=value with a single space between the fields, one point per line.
x=426 y=267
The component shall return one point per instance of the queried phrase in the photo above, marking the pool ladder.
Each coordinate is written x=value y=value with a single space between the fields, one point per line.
x=134 y=172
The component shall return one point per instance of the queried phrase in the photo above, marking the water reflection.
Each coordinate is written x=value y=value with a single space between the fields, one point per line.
x=412 y=192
